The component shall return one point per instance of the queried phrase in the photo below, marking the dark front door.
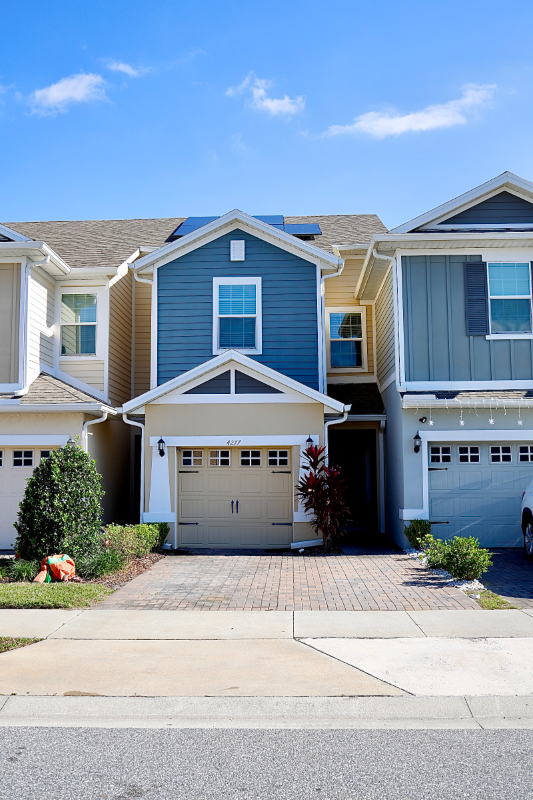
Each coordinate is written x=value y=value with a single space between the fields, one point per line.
x=354 y=451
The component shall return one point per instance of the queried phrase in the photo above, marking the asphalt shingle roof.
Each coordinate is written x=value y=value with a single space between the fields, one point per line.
x=48 y=390
x=108 y=243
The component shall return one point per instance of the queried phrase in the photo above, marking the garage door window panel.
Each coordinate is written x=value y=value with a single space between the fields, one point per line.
x=440 y=455
x=278 y=458
x=510 y=297
x=192 y=458
x=525 y=452
x=501 y=454
x=23 y=458
x=219 y=458
x=250 y=458
x=1 y=458
x=469 y=454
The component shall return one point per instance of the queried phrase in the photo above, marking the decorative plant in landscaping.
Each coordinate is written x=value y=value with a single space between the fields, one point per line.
x=461 y=556
x=322 y=491
x=61 y=510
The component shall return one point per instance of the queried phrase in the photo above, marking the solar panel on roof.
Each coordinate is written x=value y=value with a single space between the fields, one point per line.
x=303 y=229
x=276 y=220
x=273 y=219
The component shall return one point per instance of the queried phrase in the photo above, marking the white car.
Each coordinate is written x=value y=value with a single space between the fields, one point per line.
x=527 y=520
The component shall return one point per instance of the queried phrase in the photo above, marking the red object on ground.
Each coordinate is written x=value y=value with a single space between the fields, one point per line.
x=56 y=568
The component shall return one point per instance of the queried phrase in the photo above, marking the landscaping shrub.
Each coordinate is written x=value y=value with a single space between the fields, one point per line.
x=100 y=563
x=132 y=541
x=465 y=559
x=164 y=530
x=417 y=531
x=61 y=510
x=22 y=570
x=435 y=551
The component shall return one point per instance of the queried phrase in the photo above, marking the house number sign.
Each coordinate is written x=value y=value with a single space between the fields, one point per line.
x=233 y=442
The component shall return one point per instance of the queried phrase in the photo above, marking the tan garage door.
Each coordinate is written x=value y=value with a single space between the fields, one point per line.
x=16 y=466
x=235 y=497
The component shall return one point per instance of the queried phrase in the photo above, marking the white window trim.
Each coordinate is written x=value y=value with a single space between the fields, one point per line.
x=102 y=322
x=510 y=334
x=364 y=352
x=217 y=282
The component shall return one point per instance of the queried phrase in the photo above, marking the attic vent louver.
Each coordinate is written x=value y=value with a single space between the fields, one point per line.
x=237 y=250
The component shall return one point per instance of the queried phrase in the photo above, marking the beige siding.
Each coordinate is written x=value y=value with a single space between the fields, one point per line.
x=340 y=292
x=9 y=322
x=143 y=300
x=120 y=325
x=385 y=331
x=41 y=319
x=88 y=370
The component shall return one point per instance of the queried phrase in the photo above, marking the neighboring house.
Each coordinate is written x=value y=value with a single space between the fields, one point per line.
x=224 y=344
x=452 y=292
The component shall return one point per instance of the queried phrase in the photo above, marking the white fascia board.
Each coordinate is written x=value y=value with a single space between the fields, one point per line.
x=483 y=402
x=36 y=251
x=232 y=220
x=11 y=234
x=505 y=180
x=58 y=408
x=33 y=439
x=242 y=360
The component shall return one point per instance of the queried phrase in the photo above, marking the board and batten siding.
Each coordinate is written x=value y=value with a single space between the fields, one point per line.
x=384 y=308
x=142 y=339
x=339 y=292
x=120 y=333
x=41 y=319
x=289 y=307
x=437 y=347
x=88 y=370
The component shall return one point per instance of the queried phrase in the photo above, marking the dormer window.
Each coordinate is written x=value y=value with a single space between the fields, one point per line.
x=237 y=315
x=78 y=324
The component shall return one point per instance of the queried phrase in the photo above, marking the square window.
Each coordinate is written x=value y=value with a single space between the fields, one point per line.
x=500 y=454
x=278 y=458
x=45 y=454
x=219 y=458
x=525 y=452
x=440 y=455
x=469 y=454
x=250 y=458
x=192 y=458
x=23 y=458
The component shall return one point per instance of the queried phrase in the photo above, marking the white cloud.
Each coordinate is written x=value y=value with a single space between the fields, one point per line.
x=81 y=88
x=380 y=124
x=257 y=88
x=127 y=69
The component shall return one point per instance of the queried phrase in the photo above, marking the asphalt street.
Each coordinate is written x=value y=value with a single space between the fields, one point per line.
x=113 y=764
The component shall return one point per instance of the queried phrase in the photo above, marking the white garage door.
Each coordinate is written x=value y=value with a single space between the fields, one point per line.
x=477 y=490
x=16 y=466
x=235 y=497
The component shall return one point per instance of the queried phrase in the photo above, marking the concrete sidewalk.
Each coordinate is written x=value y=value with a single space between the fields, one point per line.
x=146 y=625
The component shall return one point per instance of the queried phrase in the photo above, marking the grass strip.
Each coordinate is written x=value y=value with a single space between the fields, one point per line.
x=491 y=601
x=11 y=643
x=51 y=595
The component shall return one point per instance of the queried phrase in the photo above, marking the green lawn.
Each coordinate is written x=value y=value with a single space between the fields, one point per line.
x=490 y=601
x=51 y=595
x=10 y=643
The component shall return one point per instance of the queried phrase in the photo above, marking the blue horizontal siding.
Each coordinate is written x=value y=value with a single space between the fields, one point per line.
x=289 y=308
x=502 y=209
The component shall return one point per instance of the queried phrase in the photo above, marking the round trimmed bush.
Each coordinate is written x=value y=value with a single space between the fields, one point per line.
x=61 y=510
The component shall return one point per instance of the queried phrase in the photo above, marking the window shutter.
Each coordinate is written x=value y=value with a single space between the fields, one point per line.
x=476 y=298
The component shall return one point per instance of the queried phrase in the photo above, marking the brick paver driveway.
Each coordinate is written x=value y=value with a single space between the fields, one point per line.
x=511 y=576
x=228 y=580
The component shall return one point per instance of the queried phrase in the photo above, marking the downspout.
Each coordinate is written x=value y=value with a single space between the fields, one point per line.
x=381 y=455
x=324 y=387
x=336 y=421
x=141 y=426
x=85 y=435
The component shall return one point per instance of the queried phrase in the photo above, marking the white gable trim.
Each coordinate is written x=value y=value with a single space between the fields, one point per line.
x=249 y=366
x=231 y=221
x=507 y=181
x=11 y=234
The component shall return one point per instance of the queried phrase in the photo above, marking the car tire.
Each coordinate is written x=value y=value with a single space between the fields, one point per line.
x=527 y=528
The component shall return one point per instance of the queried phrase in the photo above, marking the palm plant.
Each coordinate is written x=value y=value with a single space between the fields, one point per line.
x=322 y=491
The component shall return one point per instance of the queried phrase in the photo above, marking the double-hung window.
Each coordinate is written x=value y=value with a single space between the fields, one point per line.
x=346 y=338
x=78 y=324
x=510 y=297
x=237 y=314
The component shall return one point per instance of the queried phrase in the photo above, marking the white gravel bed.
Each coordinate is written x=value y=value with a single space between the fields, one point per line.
x=464 y=586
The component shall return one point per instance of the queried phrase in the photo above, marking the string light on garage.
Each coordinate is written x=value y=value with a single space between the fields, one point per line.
x=461 y=421
x=491 y=418
x=519 y=415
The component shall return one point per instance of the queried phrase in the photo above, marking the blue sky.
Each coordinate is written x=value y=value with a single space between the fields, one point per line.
x=136 y=109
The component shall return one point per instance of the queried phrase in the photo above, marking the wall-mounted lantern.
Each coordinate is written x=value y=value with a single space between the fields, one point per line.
x=71 y=442
x=417 y=443
x=161 y=447
x=309 y=442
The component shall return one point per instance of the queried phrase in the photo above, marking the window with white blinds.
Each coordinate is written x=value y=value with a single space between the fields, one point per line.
x=237 y=314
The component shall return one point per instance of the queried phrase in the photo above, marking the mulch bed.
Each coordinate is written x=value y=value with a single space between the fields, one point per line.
x=136 y=567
